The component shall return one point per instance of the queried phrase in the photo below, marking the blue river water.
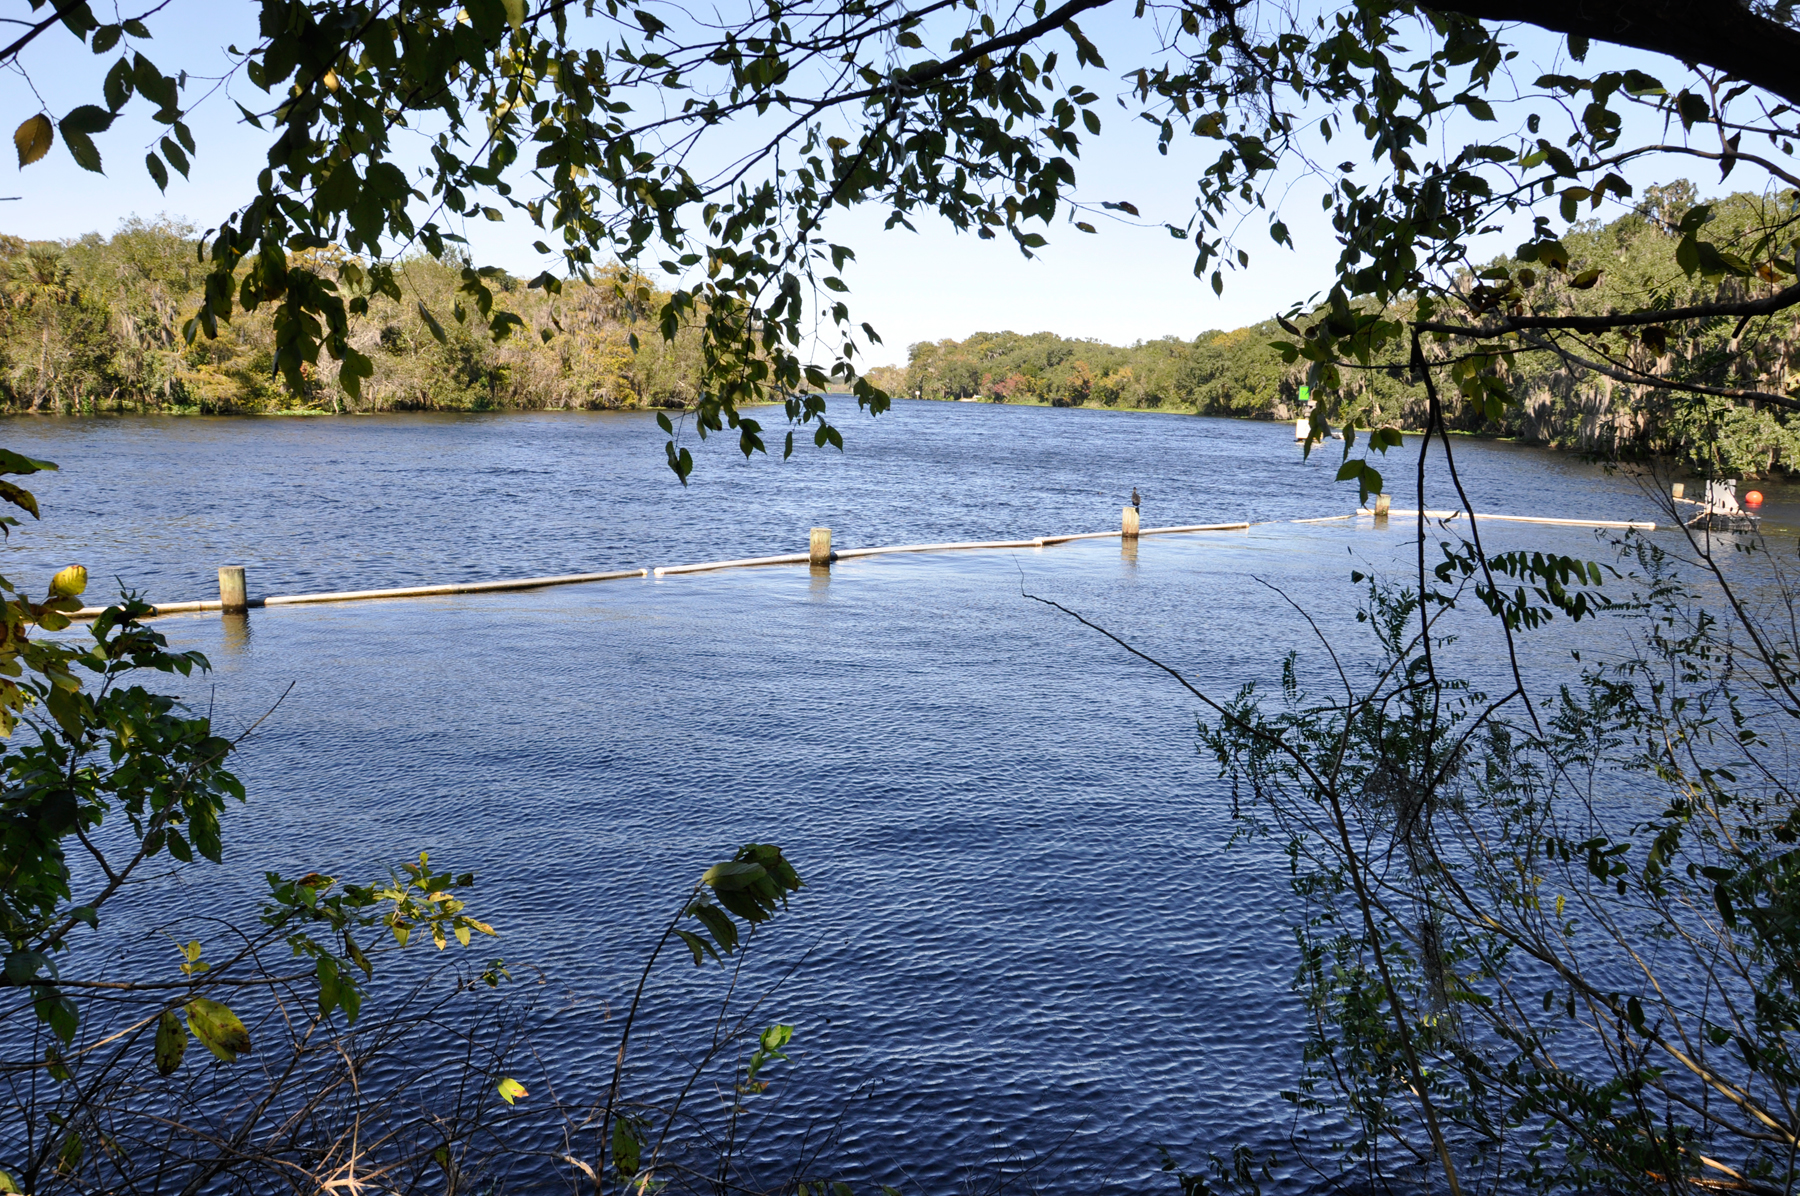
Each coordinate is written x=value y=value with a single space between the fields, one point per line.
x=1024 y=936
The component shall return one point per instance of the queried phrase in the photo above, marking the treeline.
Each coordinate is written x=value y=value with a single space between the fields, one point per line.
x=94 y=325
x=1238 y=373
x=1216 y=373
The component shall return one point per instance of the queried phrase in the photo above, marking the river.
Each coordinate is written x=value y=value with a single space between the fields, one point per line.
x=1024 y=939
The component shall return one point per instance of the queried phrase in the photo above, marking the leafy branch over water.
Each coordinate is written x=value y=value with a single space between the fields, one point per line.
x=1546 y=945
x=319 y=1076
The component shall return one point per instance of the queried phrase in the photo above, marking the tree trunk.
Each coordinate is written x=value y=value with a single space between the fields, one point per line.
x=37 y=400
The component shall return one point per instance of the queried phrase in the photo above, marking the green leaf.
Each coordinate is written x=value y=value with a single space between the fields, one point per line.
x=1687 y=255
x=356 y=955
x=355 y=367
x=118 y=86
x=88 y=118
x=19 y=497
x=719 y=925
x=218 y=1029
x=768 y=1049
x=515 y=13
x=82 y=149
x=437 y=329
x=698 y=946
x=732 y=874
x=174 y=153
x=171 y=1042
x=1693 y=108
x=625 y=1148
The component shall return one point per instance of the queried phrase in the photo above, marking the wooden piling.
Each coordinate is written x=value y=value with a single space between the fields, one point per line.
x=1382 y=502
x=233 y=598
x=1128 y=523
x=1678 y=490
x=819 y=550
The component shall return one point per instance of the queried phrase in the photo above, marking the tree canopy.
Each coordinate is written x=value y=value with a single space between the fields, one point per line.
x=716 y=144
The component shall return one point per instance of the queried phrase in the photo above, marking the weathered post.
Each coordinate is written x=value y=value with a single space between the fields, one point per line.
x=820 y=547
x=233 y=598
x=1128 y=523
x=1678 y=490
x=1382 y=503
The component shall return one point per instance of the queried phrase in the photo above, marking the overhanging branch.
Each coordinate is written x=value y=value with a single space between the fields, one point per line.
x=1718 y=33
x=1767 y=305
x=1639 y=378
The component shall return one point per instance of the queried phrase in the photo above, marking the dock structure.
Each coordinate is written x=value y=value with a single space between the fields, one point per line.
x=1718 y=511
x=234 y=592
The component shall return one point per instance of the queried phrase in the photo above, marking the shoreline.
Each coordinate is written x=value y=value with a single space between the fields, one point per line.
x=309 y=413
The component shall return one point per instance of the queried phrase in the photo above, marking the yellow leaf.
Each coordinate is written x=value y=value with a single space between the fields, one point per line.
x=511 y=1090
x=218 y=1028
x=69 y=582
x=33 y=139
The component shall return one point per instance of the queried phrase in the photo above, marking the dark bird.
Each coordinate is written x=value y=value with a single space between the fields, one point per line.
x=1136 y=502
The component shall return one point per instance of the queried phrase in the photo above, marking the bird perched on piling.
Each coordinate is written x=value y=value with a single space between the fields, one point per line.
x=1136 y=502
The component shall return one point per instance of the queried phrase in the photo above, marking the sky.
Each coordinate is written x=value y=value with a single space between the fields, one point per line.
x=1125 y=284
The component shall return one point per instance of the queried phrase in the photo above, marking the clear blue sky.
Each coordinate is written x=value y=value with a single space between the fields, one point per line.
x=1125 y=284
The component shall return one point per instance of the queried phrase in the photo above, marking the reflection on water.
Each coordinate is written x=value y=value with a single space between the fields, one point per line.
x=234 y=632
x=1025 y=931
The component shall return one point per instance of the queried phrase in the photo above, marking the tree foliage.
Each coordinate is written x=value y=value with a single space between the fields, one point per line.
x=718 y=148
x=94 y=324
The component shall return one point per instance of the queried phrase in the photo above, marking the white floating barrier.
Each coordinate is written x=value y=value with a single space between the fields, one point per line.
x=1195 y=527
x=792 y=558
x=1444 y=515
x=233 y=597
x=847 y=553
x=471 y=587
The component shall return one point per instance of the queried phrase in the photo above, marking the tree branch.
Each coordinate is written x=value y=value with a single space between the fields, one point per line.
x=1768 y=304
x=1639 y=378
x=1715 y=33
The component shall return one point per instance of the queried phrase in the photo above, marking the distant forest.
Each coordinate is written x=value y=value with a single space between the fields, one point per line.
x=1237 y=373
x=94 y=325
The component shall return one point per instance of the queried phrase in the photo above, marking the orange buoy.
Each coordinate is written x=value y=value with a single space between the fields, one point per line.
x=1753 y=499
